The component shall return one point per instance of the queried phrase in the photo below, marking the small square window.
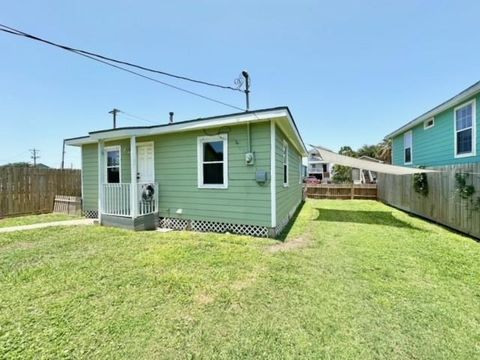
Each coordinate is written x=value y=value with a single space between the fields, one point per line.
x=429 y=123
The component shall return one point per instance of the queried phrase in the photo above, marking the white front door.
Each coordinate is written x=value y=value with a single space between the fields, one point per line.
x=145 y=163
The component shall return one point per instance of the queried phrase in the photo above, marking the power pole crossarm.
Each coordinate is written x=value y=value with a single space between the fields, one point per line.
x=34 y=156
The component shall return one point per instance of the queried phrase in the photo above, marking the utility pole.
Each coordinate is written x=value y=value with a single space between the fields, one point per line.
x=34 y=156
x=247 y=88
x=114 y=113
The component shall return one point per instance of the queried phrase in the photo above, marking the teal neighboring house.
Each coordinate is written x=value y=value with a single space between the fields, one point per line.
x=445 y=135
x=239 y=173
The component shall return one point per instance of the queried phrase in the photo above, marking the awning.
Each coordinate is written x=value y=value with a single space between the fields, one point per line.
x=334 y=158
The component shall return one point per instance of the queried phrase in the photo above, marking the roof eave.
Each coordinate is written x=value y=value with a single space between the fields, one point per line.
x=457 y=99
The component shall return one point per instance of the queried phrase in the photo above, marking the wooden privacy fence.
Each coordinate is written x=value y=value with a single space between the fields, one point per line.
x=26 y=190
x=442 y=204
x=341 y=191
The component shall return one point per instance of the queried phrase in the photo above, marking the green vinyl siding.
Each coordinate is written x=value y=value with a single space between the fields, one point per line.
x=436 y=146
x=288 y=197
x=175 y=157
x=90 y=177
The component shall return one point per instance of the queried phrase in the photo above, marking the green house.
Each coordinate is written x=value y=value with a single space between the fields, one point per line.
x=239 y=173
x=445 y=135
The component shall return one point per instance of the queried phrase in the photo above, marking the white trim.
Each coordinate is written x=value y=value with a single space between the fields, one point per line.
x=405 y=148
x=133 y=177
x=100 y=164
x=285 y=163
x=152 y=144
x=273 y=175
x=473 y=102
x=200 y=141
x=250 y=117
x=105 y=161
x=457 y=99
x=425 y=123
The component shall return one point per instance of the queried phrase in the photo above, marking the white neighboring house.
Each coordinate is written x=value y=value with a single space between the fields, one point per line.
x=361 y=176
x=317 y=167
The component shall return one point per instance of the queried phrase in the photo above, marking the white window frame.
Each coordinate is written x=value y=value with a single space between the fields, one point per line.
x=425 y=123
x=205 y=139
x=285 y=163
x=105 y=167
x=405 y=148
x=473 y=127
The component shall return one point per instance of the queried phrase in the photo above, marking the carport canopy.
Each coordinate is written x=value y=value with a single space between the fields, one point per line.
x=331 y=157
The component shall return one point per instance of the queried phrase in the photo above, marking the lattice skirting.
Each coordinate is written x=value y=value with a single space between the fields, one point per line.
x=213 y=226
x=90 y=214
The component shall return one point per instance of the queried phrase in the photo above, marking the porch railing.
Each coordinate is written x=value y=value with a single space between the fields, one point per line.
x=116 y=199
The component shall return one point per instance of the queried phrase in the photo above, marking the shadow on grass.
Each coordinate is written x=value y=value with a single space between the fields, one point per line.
x=362 y=217
x=283 y=235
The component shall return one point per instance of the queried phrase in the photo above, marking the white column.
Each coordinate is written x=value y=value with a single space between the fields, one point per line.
x=273 y=174
x=133 y=175
x=101 y=177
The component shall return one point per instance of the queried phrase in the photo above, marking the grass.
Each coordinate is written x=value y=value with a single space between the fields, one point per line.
x=362 y=281
x=35 y=219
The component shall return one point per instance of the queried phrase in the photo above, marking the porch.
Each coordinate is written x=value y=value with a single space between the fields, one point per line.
x=132 y=204
x=119 y=210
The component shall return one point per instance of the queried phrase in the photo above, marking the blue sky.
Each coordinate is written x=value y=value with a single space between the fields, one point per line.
x=350 y=71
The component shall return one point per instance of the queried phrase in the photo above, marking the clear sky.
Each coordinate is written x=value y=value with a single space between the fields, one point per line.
x=350 y=71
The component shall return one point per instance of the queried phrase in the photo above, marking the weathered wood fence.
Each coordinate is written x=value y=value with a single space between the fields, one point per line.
x=25 y=190
x=442 y=204
x=341 y=191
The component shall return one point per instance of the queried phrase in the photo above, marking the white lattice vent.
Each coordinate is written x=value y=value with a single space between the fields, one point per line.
x=175 y=224
x=213 y=226
x=90 y=214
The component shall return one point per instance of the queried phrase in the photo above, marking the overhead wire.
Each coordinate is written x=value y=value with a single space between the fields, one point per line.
x=69 y=48
x=105 y=62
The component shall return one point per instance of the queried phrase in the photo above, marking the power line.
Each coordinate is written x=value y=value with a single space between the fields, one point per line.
x=19 y=33
x=123 y=113
x=65 y=47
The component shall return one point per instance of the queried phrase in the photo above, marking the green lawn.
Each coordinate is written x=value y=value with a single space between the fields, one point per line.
x=35 y=219
x=354 y=279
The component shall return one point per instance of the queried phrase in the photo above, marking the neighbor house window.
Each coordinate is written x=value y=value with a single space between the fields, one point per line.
x=407 y=147
x=465 y=129
x=285 y=163
x=429 y=123
x=113 y=164
x=213 y=161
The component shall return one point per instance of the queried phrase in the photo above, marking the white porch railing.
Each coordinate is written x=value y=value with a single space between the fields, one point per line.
x=116 y=199
x=147 y=198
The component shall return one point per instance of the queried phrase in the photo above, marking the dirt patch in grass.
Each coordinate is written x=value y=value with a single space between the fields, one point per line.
x=297 y=243
x=204 y=298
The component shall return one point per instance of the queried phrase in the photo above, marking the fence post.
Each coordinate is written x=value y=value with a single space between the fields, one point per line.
x=352 y=192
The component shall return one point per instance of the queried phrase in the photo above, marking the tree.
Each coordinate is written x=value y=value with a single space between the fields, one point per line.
x=368 y=150
x=17 y=164
x=342 y=174
x=385 y=151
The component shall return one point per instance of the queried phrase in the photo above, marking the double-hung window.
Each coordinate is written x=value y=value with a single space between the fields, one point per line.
x=113 y=164
x=285 y=163
x=212 y=155
x=465 y=129
x=407 y=147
